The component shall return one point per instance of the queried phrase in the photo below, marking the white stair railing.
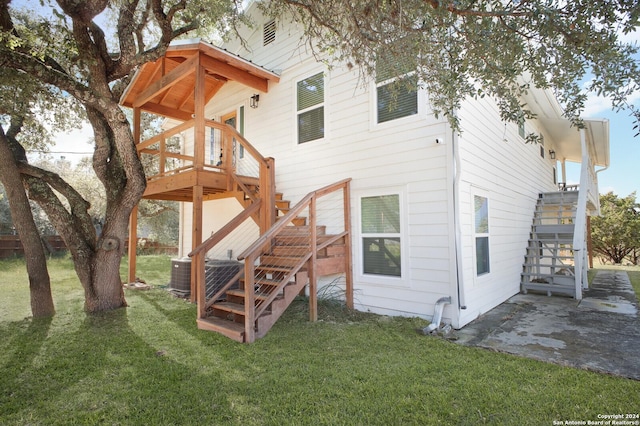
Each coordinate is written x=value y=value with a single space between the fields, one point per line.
x=588 y=191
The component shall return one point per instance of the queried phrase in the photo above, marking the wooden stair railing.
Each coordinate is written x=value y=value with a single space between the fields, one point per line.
x=276 y=268
x=265 y=182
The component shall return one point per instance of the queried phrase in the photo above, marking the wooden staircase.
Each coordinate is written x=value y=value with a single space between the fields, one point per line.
x=549 y=260
x=277 y=268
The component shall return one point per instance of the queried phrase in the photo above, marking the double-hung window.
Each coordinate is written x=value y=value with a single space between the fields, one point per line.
x=396 y=90
x=381 y=237
x=481 y=231
x=310 y=108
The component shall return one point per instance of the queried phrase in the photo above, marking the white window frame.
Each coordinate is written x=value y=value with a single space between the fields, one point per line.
x=298 y=112
x=383 y=280
x=476 y=234
x=387 y=82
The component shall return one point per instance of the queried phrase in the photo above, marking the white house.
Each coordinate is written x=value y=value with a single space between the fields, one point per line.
x=440 y=224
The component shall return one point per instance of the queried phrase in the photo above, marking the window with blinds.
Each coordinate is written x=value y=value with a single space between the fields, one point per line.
x=381 y=247
x=396 y=90
x=310 y=108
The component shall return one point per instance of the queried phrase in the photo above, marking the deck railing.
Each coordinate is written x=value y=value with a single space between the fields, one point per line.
x=174 y=150
x=225 y=151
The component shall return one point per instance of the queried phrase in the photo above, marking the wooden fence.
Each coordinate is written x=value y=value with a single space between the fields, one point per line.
x=11 y=246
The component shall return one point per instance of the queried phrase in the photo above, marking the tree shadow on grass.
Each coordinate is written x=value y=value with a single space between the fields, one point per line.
x=101 y=371
x=22 y=342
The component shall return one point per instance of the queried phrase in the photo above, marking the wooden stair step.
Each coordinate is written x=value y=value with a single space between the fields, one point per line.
x=234 y=308
x=283 y=204
x=557 y=267
x=302 y=240
x=297 y=221
x=549 y=288
x=551 y=238
x=284 y=261
x=554 y=229
x=302 y=230
x=271 y=269
x=240 y=294
x=230 y=329
x=548 y=256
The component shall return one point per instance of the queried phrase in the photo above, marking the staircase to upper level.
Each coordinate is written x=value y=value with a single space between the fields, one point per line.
x=549 y=259
x=277 y=267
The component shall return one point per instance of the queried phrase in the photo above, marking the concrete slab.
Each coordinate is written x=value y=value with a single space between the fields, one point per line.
x=599 y=333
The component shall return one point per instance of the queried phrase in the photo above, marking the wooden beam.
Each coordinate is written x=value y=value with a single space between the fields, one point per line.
x=168 y=112
x=238 y=62
x=235 y=74
x=167 y=81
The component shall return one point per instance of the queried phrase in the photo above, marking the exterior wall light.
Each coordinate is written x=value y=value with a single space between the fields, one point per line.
x=253 y=103
x=552 y=154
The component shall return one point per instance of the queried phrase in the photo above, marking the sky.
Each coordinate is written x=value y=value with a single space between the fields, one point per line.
x=623 y=175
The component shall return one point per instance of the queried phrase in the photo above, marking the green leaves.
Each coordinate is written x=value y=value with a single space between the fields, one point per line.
x=485 y=48
x=616 y=233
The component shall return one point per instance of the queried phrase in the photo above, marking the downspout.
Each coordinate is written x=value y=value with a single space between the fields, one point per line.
x=437 y=315
x=440 y=304
x=456 y=219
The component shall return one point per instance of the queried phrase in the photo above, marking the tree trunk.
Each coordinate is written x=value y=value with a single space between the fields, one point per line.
x=35 y=258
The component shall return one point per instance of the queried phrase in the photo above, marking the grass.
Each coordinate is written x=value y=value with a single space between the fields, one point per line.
x=149 y=364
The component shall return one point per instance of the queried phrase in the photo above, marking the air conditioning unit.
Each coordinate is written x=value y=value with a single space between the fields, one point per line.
x=218 y=272
x=181 y=276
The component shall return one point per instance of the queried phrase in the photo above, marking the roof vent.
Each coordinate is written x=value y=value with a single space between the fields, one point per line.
x=269 y=33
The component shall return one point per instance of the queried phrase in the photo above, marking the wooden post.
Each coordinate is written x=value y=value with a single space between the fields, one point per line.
x=197 y=265
x=133 y=218
x=313 y=276
x=196 y=237
x=227 y=156
x=348 y=267
x=267 y=195
x=133 y=239
x=249 y=300
x=199 y=127
x=162 y=160
x=197 y=280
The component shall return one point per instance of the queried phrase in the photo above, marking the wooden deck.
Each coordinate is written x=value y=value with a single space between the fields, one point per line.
x=179 y=186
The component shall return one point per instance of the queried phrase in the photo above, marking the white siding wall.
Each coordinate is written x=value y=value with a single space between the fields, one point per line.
x=499 y=165
x=400 y=156
x=216 y=214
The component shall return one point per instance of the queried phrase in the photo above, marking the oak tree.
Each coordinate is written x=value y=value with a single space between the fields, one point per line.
x=616 y=232
x=62 y=45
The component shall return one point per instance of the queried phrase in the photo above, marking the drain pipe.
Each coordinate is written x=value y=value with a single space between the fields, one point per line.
x=437 y=315
x=456 y=219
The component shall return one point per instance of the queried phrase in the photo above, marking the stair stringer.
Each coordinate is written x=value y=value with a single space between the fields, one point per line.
x=279 y=306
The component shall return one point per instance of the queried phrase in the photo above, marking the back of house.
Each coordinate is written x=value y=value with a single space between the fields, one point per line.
x=440 y=220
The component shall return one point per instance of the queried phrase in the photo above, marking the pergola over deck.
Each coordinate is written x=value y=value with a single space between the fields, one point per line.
x=178 y=86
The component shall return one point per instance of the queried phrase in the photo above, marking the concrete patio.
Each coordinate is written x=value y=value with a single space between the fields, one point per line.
x=601 y=332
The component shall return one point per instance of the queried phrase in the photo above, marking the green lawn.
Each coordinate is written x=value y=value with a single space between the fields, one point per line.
x=148 y=364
